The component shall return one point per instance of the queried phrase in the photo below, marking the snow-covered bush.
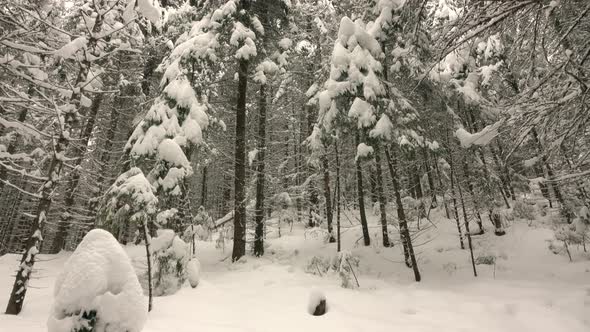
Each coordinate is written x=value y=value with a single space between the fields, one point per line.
x=522 y=210
x=486 y=260
x=318 y=265
x=170 y=258
x=98 y=290
x=344 y=263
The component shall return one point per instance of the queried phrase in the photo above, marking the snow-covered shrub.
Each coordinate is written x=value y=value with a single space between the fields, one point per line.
x=98 y=290
x=170 y=258
x=317 y=304
x=522 y=210
x=131 y=199
x=450 y=267
x=316 y=233
x=485 y=260
x=344 y=264
x=318 y=265
x=576 y=233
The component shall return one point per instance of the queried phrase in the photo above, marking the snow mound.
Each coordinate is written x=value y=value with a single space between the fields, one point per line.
x=317 y=305
x=98 y=282
x=193 y=270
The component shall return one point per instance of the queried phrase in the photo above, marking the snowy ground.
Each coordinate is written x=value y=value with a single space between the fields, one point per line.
x=533 y=289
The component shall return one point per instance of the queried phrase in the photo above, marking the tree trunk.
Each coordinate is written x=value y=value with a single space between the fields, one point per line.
x=409 y=255
x=433 y=203
x=442 y=189
x=328 y=195
x=551 y=175
x=467 y=232
x=361 y=197
x=239 y=245
x=74 y=180
x=337 y=195
x=381 y=196
x=204 y=187
x=33 y=242
x=455 y=209
x=260 y=175
x=472 y=193
x=148 y=254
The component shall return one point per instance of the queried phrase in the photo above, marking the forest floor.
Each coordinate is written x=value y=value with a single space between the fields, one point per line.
x=528 y=289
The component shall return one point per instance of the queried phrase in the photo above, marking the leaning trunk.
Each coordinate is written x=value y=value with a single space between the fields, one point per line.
x=409 y=255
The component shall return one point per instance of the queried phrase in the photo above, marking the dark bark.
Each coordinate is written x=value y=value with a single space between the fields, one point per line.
x=239 y=245
x=433 y=203
x=409 y=255
x=148 y=255
x=204 y=187
x=338 y=195
x=470 y=187
x=454 y=197
x=361 y=198
x=328 y=195
x=69 y=200
x=381 y=196
x=467 y=232
x=35 y=238
x=554 y=186
x=260 y=175
x=441 y=188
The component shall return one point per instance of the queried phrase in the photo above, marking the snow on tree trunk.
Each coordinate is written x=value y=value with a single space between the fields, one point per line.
x=260 y=175
x=381 y=197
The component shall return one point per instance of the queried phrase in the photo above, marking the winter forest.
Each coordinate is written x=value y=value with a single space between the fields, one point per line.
x=289 y=165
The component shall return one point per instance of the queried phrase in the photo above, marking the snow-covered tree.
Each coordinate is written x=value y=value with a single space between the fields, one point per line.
x=98 y=290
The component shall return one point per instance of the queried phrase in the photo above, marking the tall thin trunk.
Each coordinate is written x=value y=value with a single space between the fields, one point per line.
x=337 y=195
x=74 y=180
x=328 y=195
x=239 y=245
x=260 y=175
x=551 y=175
x=361 y=197
x=409 y=255
x=428 y=169
x=441 y=188
x=381 y=196
x=204 y=187
x=416 y=186
x=467 y=232
x=467 y=175
x=148 y=254
x=454 y=197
